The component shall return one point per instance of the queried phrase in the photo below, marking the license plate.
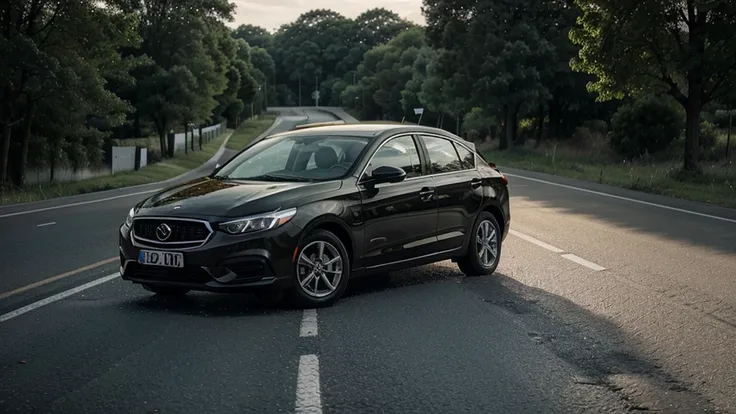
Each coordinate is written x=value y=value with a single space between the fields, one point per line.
x=157 y=258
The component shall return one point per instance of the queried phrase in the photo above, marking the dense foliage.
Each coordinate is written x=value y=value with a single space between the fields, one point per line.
x=646 y=126
x=75 y=73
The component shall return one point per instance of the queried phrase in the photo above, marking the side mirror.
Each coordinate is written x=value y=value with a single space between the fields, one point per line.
x=387 y=174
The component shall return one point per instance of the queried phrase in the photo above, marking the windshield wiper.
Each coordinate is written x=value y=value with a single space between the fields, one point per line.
x=272 y=177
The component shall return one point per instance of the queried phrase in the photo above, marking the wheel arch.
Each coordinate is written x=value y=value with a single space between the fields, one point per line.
x=335 y=226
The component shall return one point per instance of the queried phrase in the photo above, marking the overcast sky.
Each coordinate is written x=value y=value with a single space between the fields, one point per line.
x=270 y=14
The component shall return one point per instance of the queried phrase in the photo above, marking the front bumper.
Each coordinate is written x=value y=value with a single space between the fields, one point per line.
x=225 y=263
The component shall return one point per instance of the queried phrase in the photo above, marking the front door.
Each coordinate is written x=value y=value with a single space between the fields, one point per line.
x=399 y=218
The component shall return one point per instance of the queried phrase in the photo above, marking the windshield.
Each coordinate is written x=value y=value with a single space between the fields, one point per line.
x=296 y=158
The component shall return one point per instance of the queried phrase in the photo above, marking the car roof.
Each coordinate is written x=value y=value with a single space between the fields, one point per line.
x=369 y=130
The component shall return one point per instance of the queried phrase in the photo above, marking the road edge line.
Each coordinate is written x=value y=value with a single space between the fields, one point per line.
x=633 y=200
x=54 y=298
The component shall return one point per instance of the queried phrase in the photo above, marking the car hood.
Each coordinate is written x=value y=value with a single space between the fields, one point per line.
x=210 y=198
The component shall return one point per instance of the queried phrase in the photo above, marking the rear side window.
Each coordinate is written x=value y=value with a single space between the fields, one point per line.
x=467 y=158
x=442 y=155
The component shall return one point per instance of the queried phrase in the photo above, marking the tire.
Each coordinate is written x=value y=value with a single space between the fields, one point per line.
x=167 y=291
x=304 y=294
x=471 y=264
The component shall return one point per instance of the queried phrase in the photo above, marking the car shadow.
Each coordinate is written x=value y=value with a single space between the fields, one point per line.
x=213 y=305
x=606 y=355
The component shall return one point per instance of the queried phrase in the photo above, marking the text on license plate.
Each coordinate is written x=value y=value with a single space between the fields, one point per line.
x=157 y=258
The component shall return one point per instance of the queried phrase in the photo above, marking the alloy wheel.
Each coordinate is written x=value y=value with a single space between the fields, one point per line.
x=486 y=243
x=319 y=269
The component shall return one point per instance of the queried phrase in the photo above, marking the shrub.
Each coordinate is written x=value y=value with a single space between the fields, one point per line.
x=646 y=126
x=596 y=125
x=708 y=135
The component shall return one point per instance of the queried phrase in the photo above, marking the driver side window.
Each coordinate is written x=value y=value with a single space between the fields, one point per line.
x=399 y=152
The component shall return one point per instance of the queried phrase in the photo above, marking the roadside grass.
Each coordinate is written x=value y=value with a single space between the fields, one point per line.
x=180 y=164
x=596 y=163
x=249 y=130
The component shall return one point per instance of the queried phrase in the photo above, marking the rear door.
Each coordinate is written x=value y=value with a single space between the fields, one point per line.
x=399 y=217
x=458 y=189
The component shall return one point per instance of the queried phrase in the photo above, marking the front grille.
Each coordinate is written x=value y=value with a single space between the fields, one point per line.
x=187 y=274
x=183 y=232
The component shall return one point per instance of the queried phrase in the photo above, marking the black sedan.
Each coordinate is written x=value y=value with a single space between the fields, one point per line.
x=307 y=210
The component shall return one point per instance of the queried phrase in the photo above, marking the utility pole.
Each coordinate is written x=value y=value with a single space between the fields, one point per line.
x=300 y=89
x=316 y=90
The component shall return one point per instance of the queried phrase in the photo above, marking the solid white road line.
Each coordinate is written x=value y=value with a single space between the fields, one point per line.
x=681 y=210
x=57 y=297
x=51 y=223
x=309 y=323
x=539 y=243
x=81 y=203
x=308 y=397
x=583 y=262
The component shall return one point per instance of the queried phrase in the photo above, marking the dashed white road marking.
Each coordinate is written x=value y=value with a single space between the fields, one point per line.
x=57 y=297
x=539 y=243
x=583 y=262
x=309 y=325
x=577 y=259
x=633 y=200
x=81 y=203
x=51 y=223
x=308 y=396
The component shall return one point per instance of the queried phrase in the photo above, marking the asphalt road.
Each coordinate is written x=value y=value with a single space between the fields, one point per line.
x=605 y=301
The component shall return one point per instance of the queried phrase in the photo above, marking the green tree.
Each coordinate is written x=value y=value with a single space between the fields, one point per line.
x=185 y=69
x=384 y=73
x=682 y=48
x=62 y=53
x=255 y=36
x=492 y=52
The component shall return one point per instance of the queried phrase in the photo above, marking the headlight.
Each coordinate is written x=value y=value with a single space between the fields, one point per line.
x=129 y=219
x=257 y=223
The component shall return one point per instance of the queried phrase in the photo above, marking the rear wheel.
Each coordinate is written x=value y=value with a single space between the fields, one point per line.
x=169 y=291
x=321 y=270
x=484 y=249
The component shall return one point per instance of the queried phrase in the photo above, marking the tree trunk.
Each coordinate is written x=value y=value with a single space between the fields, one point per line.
x=509 y=128
x=52 y=160
x=515 y=126
x=693 y=107
x=4 y=152
x=540 y=126
x=25 y=143
x=186 y=144
x=137 y=133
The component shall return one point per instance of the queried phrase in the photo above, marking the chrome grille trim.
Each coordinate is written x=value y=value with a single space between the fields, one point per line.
x=141 y=242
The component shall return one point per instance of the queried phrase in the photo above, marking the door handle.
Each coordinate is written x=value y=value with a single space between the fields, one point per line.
x=476 y=182
x=426 y=193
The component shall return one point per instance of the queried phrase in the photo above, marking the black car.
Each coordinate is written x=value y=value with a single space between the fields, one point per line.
x=307 y=210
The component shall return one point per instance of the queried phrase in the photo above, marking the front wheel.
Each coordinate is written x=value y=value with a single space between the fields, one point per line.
x=484 y=249
x=321 y=270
